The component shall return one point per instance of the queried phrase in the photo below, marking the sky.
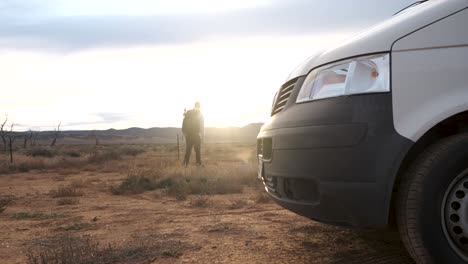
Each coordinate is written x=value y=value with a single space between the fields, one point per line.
x=99 y=64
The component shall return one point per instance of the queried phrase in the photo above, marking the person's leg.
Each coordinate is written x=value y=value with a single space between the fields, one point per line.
x=197 y=145
x=188 y=149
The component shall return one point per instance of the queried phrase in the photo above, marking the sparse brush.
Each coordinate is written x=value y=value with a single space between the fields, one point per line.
x=132 y=150
x=179 y=190
x=262 y=198
x=72 y=153
x=5 y=201
x=74 y=250
x=238 y=204
x=66 y=191
x=4 y=167
x=59 y=178
x=69 y=163
x=200 y=201
x=79 y=184
x=24 y=215
x=134 y=184
x=105 y=156
x=67 y=201
x=41 y=152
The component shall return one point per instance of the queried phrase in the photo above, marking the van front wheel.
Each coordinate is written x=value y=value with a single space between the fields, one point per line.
x=432 y=206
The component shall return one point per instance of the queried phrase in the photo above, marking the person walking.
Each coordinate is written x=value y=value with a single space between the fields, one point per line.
x=193 y=128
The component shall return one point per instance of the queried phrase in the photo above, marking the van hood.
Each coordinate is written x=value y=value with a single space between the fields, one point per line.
x=380 y=38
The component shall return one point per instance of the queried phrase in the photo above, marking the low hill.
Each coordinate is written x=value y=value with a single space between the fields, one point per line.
x=135 y=135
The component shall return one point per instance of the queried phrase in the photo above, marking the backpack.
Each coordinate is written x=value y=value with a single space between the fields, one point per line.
x=191 y=123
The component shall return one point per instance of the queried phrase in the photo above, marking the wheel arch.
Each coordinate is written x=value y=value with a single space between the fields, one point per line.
x=453 y=125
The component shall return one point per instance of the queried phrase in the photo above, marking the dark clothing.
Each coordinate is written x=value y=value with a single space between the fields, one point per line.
x=193 y=123
x=193 y=129
x=195 y=142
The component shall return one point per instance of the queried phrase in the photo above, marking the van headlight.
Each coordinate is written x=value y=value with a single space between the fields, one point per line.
x=369 y=74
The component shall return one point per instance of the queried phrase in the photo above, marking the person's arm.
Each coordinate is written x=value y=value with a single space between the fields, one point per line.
x=202 y=126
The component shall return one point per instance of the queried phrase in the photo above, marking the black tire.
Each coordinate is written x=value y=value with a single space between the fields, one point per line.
x=420 y=215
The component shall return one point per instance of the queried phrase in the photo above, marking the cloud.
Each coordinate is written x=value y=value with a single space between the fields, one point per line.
x=102 y=118
x=31 y=26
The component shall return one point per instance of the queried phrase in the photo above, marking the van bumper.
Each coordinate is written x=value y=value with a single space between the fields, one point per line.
x=334 y=160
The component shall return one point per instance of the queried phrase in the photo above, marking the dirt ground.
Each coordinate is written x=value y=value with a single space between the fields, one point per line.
x=152 y=227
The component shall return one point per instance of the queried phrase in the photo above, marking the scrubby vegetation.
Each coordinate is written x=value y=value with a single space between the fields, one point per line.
x=69 y=178
x=25 y=215
x=67 y=201
x=66 y=191
x=76 y=250
x=180 y=182
x=138 y=204
x=4 y=202
x=41 y=152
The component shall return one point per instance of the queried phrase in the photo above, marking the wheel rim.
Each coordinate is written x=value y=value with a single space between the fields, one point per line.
x=455 y=215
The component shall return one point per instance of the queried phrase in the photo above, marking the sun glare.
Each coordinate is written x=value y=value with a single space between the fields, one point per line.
x=234 y=79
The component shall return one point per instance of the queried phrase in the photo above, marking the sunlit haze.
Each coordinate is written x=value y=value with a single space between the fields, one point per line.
x=57 y=66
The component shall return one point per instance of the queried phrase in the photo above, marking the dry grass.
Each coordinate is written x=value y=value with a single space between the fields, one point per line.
x=4 y=202
x=67 y=201
x=35 y=215
x=79 y=184
x=75 y=250
x=238 y=204
x=200 y=201
x=134 y=184
x=66 y=191
x=262 y=197
x=106 y=156
x=216 y=177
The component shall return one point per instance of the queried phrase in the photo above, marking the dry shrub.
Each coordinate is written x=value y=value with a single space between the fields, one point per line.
x=131 y=150
x=79 y=184
x=67 y=201
x=68 y=163
x=31 y=164
x=179 y=183
x=24 y=215
x=66 y=191
x=104 y=156
x=4 y=167
x=134 y=184
x=59 y=178
x=179 y=187
x=238 y=204
x=5 y=201
x=72 y=153
x=41 y=152
x=22 y=164
x=200 y=201
x=74 y=250
x=262 y=198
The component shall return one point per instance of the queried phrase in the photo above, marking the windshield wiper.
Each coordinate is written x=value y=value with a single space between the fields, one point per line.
x=410 y=6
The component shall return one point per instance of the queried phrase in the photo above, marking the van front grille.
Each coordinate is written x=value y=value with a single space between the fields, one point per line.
x=283 y=97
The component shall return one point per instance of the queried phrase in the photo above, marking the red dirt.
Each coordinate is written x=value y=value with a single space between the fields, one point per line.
x=253 y=233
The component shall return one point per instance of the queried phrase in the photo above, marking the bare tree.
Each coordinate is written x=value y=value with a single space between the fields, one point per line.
x=33 y=137
x=56 y=133
x=11 y=140
x=3 y=134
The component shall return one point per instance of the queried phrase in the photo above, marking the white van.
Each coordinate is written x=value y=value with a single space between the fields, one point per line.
x=376 y=129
